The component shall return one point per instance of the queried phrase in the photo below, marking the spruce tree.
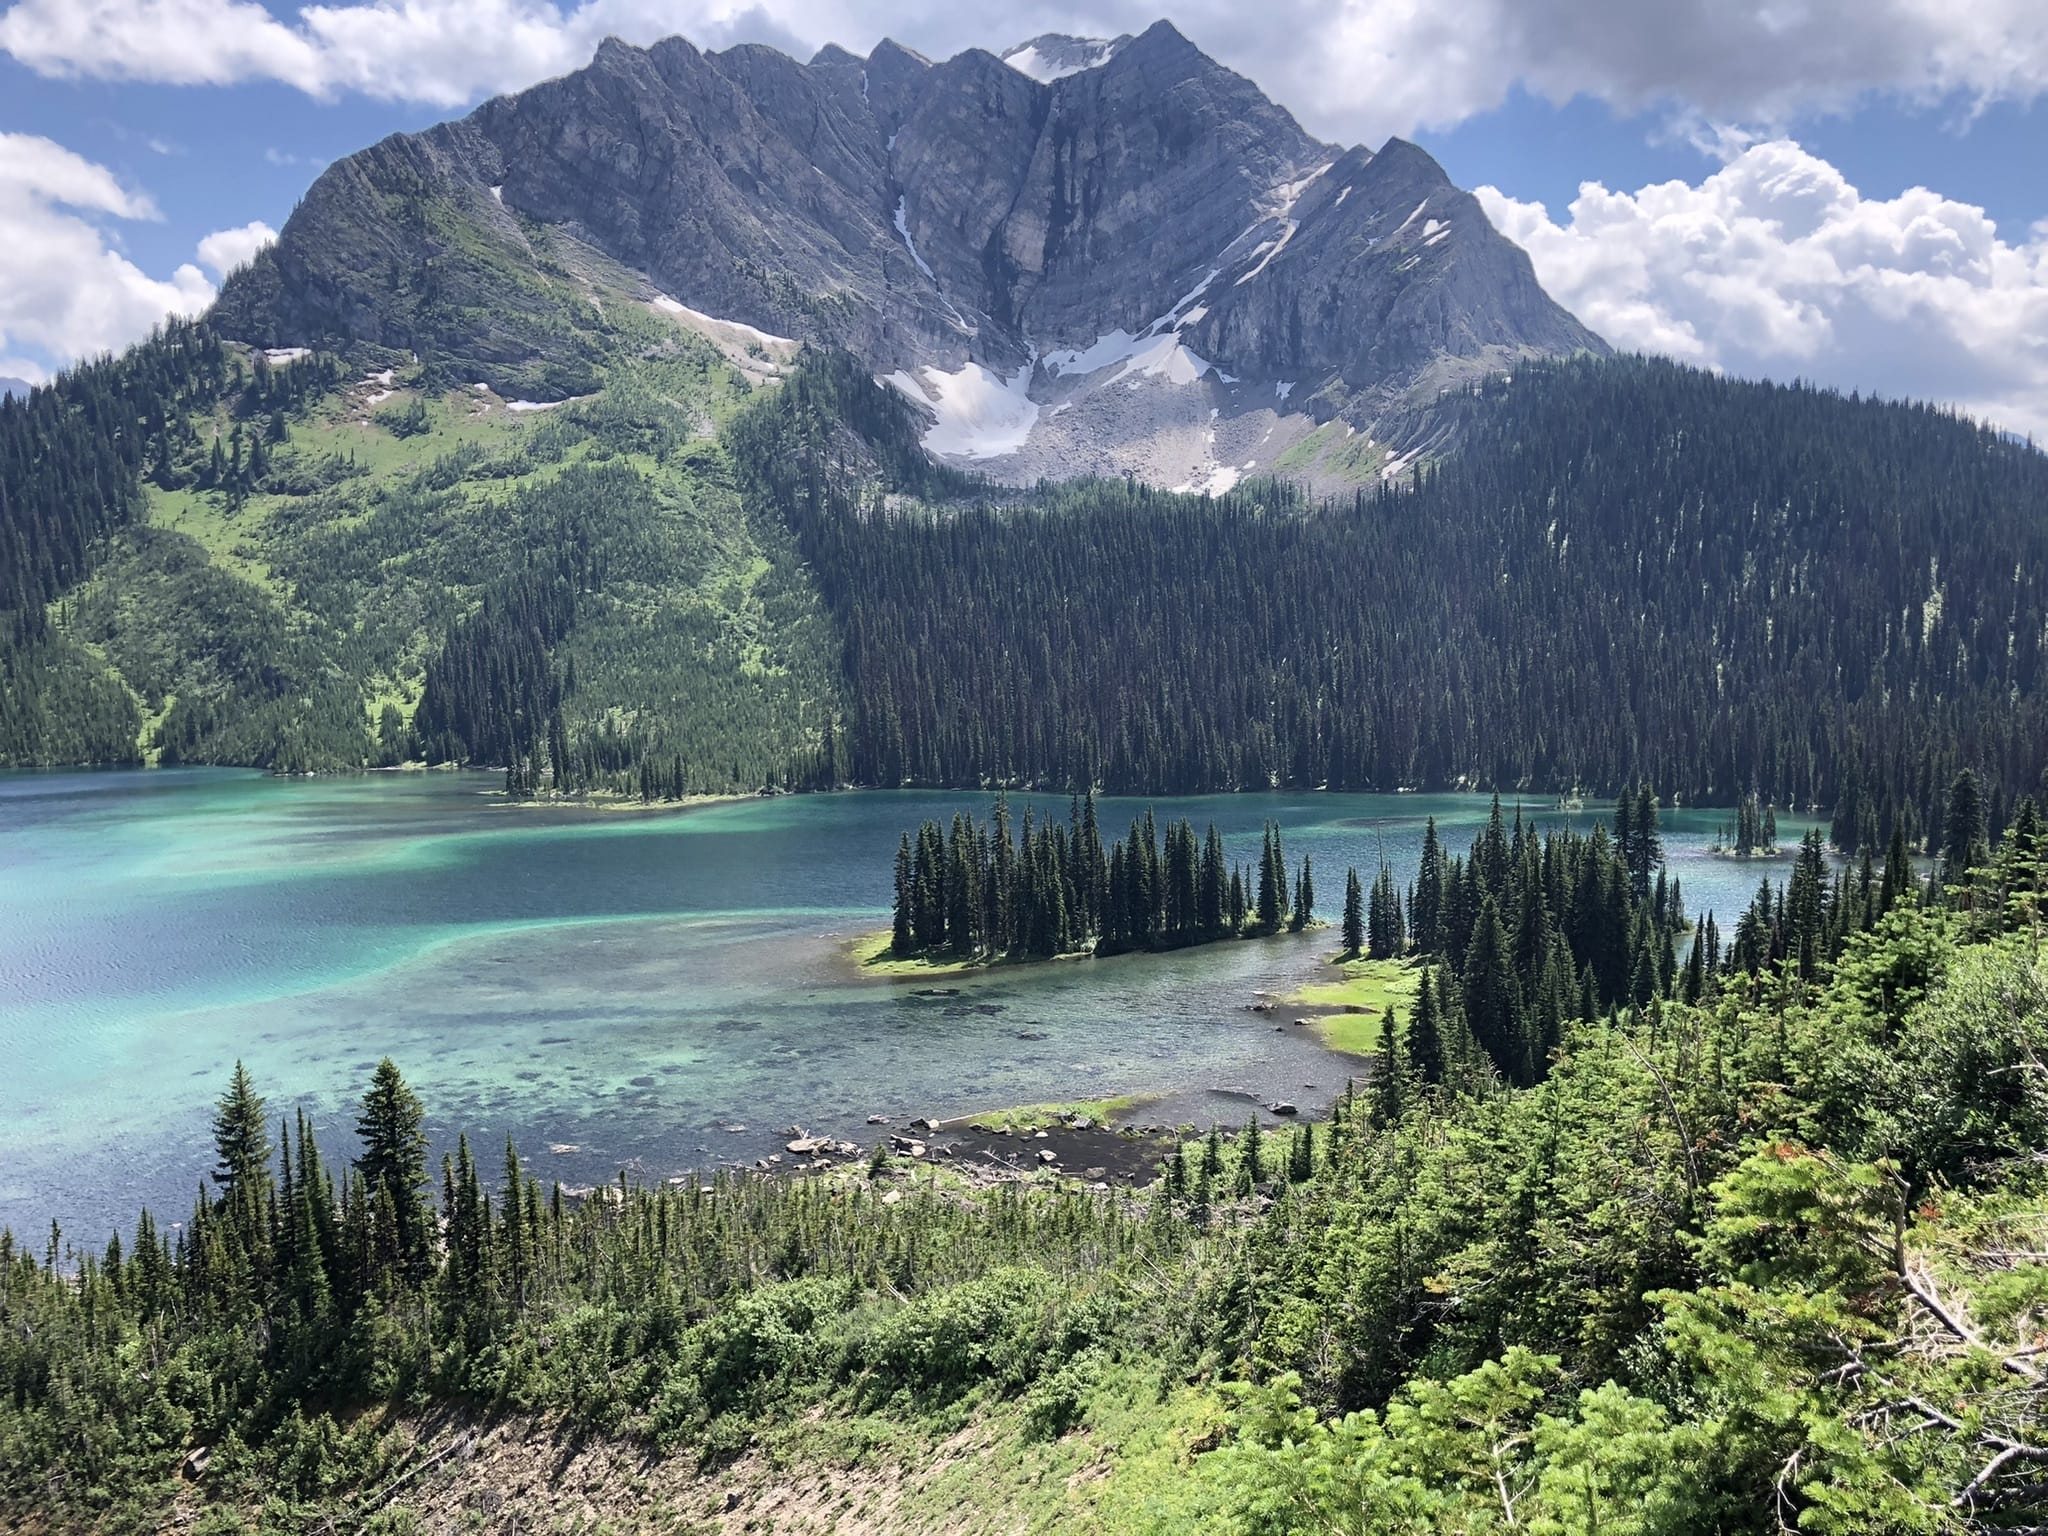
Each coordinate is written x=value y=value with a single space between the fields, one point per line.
x=1304 y=898
x=902 y=940
x=391 y=1125
x=241 y=1138
x=1492 y=1007
x=1964 y=845
x=1354 y=914
x=1269 y=909
x=1898 y=884
x=1425 y=912
x=1389 y=1074
x=1426 y=1033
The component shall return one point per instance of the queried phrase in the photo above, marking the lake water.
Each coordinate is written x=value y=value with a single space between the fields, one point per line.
x=624 y=984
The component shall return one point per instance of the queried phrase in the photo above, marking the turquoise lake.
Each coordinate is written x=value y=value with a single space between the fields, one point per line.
x=627 y=986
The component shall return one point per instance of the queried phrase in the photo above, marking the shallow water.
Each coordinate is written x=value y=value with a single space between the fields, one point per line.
x=628 y=985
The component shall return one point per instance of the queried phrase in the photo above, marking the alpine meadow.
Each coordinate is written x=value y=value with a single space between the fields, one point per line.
x=978 y=795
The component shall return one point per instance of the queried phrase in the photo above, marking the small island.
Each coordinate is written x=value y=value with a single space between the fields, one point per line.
x=980 y=892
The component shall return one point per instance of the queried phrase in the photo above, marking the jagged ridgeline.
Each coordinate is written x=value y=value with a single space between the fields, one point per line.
x=1624 y=569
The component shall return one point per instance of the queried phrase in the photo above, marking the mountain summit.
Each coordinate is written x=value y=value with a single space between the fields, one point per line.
x=1083 y=255
x=1054 y=55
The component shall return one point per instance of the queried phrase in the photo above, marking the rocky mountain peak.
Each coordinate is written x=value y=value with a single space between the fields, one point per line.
x=1115 y=255
x=1054 y=55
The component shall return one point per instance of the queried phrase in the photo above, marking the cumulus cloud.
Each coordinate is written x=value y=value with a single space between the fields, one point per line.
x=1775 y=265
x=1361 y=69
x=226 y=249
x=66 y=291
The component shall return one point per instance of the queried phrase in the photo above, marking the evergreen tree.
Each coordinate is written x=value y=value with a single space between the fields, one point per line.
x=1426 y=910
x=1389 y=1074
x=391 y=1125
x=1304 y=898
x=902 y=938
x=1898 y=884
x=1492 y=1006
x=1354 y=914
x=241 y=1139
x=1963 y=841
x=1271 y=883
x=1426 y=1032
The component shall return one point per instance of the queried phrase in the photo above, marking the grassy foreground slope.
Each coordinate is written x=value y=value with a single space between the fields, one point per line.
x=1771 y=1261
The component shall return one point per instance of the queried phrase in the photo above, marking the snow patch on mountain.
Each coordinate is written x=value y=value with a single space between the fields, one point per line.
x=720 y=328
x=1055 y=56
x=1155 y=354
x=1284 y=199
x=980 y=414
x=1410 y=219
x=759 y=355
x=910 y=245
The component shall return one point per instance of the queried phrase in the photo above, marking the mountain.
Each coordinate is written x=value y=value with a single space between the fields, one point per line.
x=1054 y=55
x=1097 y=256
x=10 y=386
x=590 y=439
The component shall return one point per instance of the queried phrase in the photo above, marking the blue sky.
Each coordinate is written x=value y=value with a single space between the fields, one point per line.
x=1847 y=190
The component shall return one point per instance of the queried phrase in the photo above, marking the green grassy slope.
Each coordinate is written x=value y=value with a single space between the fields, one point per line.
x=273 y=618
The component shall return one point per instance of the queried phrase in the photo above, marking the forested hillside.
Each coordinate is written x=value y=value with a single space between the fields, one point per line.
x=1625 y=570
x=717 y=574
x=221 y=558
x=1765 y=1260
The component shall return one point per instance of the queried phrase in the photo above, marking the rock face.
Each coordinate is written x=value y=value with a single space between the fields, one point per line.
x=1097 y=255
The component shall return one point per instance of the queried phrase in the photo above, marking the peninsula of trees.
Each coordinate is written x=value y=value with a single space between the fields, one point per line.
x=986 y=890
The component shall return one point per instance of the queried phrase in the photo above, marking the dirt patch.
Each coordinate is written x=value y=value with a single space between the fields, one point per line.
x=518 y=1476
x=1096 y=1154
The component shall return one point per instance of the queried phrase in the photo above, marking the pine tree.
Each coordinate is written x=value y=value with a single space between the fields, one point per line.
x=1354 y=914
x=1389 y=1074
x=902 y=940
x=1898 y=884
x=1492 y=1006
x=1270 y=882
x=241 y=1138
x=1251 y=1165
x=1304 y=898
x=1426 y=910
x=1426 y=1033
x=1964 y=844
x=393 y=1164
x=1694 y=986
x=1214 y=886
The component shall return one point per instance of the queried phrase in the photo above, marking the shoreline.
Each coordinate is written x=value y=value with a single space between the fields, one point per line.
x=879 y=965
x=615 y=805
x=1348 y=1010
x=1532 y=801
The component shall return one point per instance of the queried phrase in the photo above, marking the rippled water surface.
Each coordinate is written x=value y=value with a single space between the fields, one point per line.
x=626 y=984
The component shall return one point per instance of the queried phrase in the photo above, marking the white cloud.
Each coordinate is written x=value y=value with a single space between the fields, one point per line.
x=1775 y=265
x=65 y=290
x=1360 y=69
x=226 y=249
